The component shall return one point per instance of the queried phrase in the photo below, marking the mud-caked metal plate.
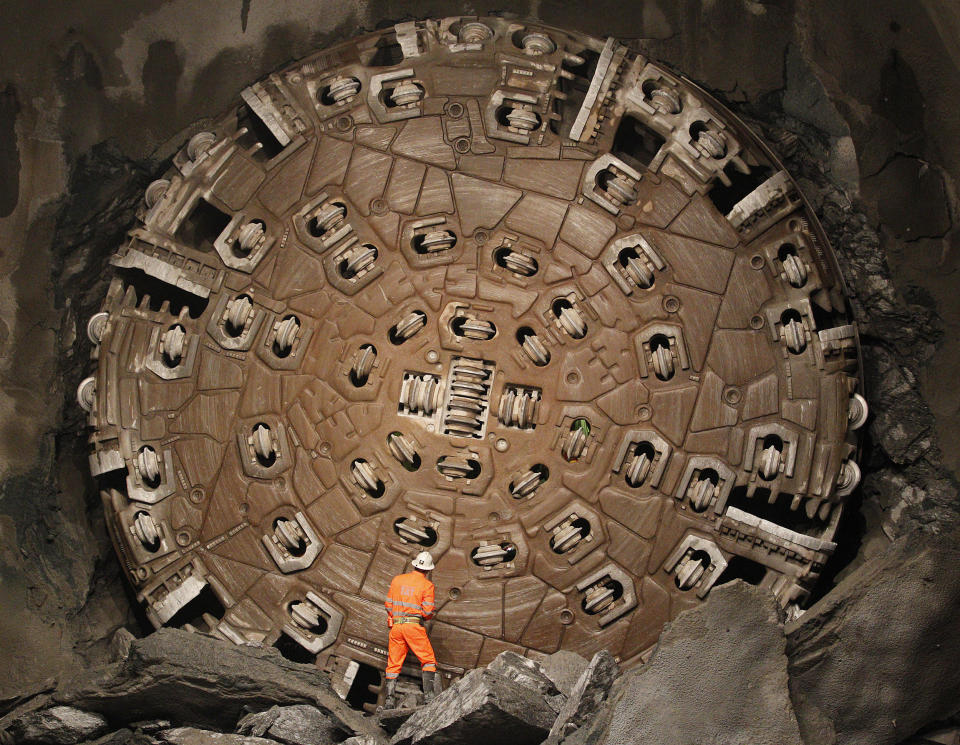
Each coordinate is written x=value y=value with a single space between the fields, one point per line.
x=511 y=294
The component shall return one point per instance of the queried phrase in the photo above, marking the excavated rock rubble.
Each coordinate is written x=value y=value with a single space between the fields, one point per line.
x=729 y=669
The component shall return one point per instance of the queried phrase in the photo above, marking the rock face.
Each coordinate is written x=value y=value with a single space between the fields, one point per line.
x=877 y=658
x=481 y=708
x=60 y=725
x=719 y=675
x=61 y=598
x=292 y=725
x=586 y=697
x=199 y=680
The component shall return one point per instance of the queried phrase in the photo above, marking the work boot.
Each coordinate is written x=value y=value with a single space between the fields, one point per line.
x=390 y=702
x=428 y=691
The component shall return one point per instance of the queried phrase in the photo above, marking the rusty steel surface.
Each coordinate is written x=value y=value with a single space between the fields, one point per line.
x=512 y=294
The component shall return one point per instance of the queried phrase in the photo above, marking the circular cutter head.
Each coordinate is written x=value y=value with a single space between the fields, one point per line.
x=509 y=294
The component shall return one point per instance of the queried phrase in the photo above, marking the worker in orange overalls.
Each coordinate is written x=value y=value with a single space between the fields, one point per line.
x=410 y=603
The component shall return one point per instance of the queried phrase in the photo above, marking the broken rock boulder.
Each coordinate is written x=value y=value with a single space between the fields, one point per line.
x=479 y=709
x=718 y=676
x=292 y=725
x=587 y=696
x=60 y=725
x=527 y=673
x=876 y=659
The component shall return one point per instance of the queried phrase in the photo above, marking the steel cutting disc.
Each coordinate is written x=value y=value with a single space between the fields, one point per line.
x=511 y=294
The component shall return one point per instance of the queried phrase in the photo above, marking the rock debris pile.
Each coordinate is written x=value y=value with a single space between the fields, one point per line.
x=729 y=672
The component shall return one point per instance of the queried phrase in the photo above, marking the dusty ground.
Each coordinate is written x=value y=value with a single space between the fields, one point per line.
x=879 y=79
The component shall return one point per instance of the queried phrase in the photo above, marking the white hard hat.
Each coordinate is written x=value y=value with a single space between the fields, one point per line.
x=423 y=561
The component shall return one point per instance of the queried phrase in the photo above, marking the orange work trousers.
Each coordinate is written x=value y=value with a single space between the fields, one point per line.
x=412 y=636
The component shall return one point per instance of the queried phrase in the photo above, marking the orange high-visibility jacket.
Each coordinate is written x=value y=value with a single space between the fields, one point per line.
x=410 y=595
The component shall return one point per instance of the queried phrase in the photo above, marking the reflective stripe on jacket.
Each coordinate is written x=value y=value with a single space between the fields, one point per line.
x=410 y=595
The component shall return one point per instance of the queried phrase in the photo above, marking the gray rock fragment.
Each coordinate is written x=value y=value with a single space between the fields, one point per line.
x=60 y=725
x=479 y=709
x=564 y=668
x=149 y=726
x=120 y=644
x=292 y=725
x=524 y=671
x=123 y=737
x=258 y=723
x=587 y=696
x=195 y=679
x=806 y=98
x=392 y=719
x=876 y=659
x=191 y=736
x=718 y=676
